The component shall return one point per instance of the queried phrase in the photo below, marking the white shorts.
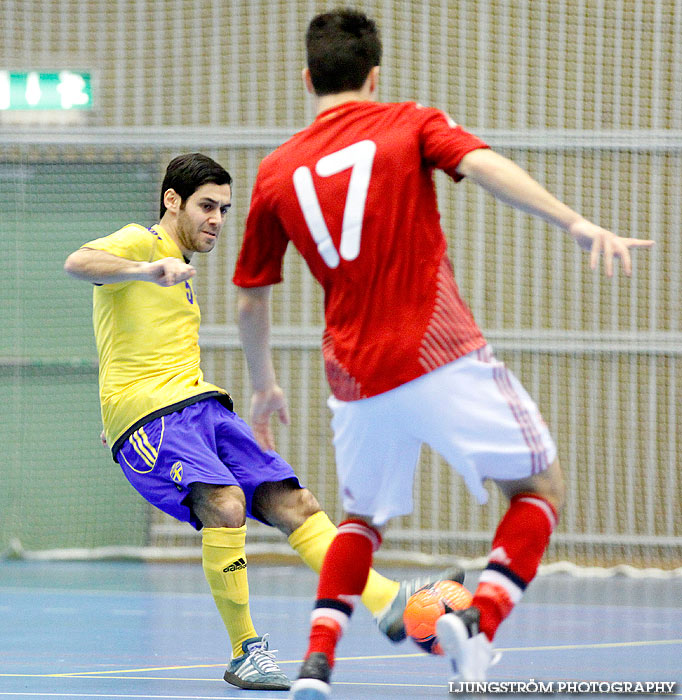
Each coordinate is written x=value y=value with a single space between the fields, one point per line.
x=473 y=411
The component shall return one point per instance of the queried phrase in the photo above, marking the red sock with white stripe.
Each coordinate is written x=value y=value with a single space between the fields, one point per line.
x=342 y=579
x=518 y=546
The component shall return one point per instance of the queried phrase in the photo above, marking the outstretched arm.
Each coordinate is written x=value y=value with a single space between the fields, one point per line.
x=511 y=184
x=254 y=331
x=100 y=267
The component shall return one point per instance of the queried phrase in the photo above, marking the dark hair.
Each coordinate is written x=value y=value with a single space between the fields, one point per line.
x=187 y=173
x=342 y=48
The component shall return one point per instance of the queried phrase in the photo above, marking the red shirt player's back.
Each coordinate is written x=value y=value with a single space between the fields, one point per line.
x=354 y=192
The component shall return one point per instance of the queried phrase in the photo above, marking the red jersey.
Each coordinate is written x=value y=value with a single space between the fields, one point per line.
x=354 y=193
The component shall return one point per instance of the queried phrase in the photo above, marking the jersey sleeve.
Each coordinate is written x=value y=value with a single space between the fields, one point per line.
x=132 y=242
x=260 y=260
x=444 y=143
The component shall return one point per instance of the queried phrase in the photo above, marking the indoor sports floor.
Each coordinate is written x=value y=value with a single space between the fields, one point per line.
x=135 y=630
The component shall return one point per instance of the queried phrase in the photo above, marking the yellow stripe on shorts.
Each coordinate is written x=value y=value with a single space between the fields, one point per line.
x=139 y=447
x=148 y=444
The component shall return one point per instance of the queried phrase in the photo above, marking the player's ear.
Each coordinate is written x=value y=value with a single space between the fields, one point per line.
x=373 y=79
x=307 y=81
x=172 y=200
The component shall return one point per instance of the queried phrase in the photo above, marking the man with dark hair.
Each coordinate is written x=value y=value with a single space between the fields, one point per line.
x=176 y=437
x=187 y=173
x=342 y=48
x=406 y=361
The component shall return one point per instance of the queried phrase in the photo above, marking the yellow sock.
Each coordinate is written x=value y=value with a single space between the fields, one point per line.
x=224 y=560
x=311 y=542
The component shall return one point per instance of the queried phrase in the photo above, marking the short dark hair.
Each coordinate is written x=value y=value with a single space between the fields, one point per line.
x=342 y=47
x=187 y=173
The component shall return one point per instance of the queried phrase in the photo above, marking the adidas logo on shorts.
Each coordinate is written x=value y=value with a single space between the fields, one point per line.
x=235 y=565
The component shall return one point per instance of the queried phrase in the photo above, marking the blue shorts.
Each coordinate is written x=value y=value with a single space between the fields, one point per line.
x=204 y=442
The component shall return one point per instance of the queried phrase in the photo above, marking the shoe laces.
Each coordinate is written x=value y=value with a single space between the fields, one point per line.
x=263 y=657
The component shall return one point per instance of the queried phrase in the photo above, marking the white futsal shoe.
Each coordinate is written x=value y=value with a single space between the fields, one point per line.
x=256 y=669
x=468 y=648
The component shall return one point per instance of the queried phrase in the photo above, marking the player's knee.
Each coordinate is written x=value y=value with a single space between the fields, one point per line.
x=219 y=506
x=306 y=504
x=560 y=497
x=554 y=487
x=548 y=484
x=284 y=505
x=231 y=513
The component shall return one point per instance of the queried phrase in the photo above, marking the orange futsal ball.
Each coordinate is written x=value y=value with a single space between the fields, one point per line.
x=426 y=605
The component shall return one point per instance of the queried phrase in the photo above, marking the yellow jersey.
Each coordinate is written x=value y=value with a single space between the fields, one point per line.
x=147 y=339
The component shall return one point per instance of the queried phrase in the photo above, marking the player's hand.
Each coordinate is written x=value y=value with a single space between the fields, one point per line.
x=263 y=405
x=599 y=241
x=103 y=438
x=168 y=271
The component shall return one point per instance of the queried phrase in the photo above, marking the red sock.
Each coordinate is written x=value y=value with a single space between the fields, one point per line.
x=518 y=546
x=342 y=579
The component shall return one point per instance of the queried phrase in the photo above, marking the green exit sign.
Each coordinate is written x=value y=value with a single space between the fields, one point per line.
x=32 y=90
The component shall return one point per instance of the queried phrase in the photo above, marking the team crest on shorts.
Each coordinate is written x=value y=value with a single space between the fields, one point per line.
x=176 y=472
